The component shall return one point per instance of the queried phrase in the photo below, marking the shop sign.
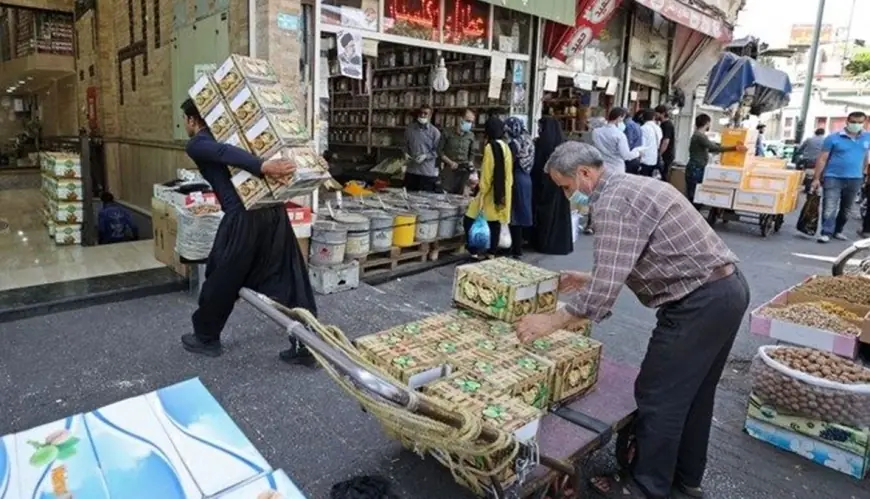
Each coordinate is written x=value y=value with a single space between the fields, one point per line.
x=92 y=108
x=594 y=16
x=689 y=16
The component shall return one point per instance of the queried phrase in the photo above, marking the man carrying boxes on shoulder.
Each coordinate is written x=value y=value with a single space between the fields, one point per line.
x=840 y=171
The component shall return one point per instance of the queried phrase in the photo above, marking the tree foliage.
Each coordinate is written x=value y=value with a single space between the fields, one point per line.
x=859 y=66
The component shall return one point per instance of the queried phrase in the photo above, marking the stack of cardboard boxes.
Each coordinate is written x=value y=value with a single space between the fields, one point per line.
x=745 y=182
x=64 y=194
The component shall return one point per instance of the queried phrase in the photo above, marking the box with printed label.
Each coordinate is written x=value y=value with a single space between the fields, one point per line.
x=734 y=136
x=728 y=177
x=767 y=179
x=253 y=101
x=275 y=131
x=61 y=165
x=65 y=189
x=716 y=197
x=495 y=293
x=68 y=234
x=205 y=94
x=764 y=201
x=66 y=212
x=236 y=139
x=311 y=172
x=771 y=163
x=237 y=69
x=251 y=188
x=221 y=123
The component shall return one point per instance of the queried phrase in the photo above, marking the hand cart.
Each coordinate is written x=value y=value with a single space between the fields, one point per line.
x=846 y=262
x=568 y=435
x=767 y=222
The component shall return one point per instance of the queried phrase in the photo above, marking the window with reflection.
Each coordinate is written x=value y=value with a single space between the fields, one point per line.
x=466 y=22
x=511 y=31
x=359 y=14
x=413 y=18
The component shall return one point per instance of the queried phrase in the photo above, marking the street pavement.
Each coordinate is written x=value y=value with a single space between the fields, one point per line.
x=299 y=419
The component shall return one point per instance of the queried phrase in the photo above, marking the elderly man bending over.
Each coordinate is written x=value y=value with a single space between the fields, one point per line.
x=650 y=238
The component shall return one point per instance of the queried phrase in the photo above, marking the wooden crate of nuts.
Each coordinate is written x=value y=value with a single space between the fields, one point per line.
x=576 y=360
x=516 y=373
x=814 y=384
x=492 y=289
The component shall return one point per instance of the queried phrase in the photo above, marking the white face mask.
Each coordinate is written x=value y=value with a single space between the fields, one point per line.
x=423 y=121
x=621 y=126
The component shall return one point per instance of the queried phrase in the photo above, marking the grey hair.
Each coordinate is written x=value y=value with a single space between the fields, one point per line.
x=571 y=155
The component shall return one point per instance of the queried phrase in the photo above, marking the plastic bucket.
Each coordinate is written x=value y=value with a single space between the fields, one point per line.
x=404 y=229
x=328 y=243
x=448 y=215
x=358 y=234
x=381 y=229
x=427 y=224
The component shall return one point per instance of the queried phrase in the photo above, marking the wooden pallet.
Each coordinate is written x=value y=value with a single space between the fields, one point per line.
x=390 y=260
x=443 y=248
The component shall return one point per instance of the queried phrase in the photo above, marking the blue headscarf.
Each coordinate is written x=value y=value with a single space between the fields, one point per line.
x=521 y=144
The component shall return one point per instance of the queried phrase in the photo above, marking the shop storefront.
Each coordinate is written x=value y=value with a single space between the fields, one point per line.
x=648 y=59
x=378 y=62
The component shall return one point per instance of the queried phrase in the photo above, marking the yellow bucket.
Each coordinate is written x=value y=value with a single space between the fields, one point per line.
x=404 y=229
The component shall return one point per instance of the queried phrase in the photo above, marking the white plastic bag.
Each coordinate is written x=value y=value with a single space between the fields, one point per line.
x=197 y=227
x=504 y=237
x=794 y=392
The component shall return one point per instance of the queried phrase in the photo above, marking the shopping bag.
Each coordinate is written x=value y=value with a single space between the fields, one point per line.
x=808 y=221
x=504 y=237
x=478 y=234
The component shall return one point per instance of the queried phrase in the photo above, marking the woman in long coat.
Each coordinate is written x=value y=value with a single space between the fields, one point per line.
x=552 y=210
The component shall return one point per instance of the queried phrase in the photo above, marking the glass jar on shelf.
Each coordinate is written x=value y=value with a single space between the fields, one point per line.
x=511 y=31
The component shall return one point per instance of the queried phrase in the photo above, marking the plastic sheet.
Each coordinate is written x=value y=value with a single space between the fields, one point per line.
x=197 y=227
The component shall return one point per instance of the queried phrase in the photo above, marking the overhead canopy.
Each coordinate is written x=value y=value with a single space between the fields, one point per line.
x=693 y=14
x=560 y=11
x=732 y=76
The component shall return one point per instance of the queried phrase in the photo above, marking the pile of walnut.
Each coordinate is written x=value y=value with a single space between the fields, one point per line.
x=792 y=396
x=812 y=314
x=851 y=289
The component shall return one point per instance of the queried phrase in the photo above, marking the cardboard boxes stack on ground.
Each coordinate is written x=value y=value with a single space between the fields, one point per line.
x=744 y=182
x=471 y=358
x=810 y=399
x=64 y=195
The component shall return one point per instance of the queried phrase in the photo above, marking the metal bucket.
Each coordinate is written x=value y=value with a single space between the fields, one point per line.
x=427 y=224
x=381 y=229
x=358 y=234
x=328 y=243
x=449 y=217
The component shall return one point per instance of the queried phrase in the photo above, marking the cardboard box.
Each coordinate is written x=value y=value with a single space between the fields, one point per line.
x=734 y=136
x=714 y=196
x=829 y=341
x=764 y=201
x=312 y=171
x=68 y=212
x=304 y=245
x=817 y=451
x=64 y=189
x=766 y=179
x=164 y=223
x=61 y=165
x=505 y=289
x=205 y=437
x=136 y=454
x=576 y=359
x=797 y=293
x=221 y=123
x=253 y=101
x=67 y=234
x=205 y=94
x=727 y=177
x=770 y=163
x=517 y=373
x=853 y=440
x=275 y=485
x=57 y=460
x=238 y=69
x=273 y=132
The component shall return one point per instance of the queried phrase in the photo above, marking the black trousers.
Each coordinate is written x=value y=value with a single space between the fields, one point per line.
x=676 y=386
x=494 y=230
x=414 y=182
x=633 y=166
x=647 y=170
x=255 y=249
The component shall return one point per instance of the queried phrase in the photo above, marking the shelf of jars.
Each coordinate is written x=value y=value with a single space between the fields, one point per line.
x=574 y=107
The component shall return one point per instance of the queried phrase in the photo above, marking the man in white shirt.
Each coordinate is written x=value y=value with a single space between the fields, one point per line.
x=611 y=142
x=651 y=133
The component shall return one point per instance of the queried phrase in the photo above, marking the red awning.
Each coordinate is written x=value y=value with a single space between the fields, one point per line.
x=690 y=16
x=562 y=42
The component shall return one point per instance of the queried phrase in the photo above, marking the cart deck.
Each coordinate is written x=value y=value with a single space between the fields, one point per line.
x=767 y=222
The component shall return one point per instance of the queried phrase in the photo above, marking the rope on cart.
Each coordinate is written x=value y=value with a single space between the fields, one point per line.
x=458 y=449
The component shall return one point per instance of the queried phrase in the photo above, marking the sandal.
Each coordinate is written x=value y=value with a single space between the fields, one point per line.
x=616 y=486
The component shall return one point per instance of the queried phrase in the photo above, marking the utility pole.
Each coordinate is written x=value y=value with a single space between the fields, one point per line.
x=811 y=74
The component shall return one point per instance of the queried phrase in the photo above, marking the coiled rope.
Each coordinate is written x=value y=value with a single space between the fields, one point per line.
x=458 y=449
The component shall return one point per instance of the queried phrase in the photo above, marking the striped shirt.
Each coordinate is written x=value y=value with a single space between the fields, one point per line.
x=650 y=238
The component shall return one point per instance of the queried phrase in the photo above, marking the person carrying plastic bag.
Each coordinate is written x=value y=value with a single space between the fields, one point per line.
x=492 y=204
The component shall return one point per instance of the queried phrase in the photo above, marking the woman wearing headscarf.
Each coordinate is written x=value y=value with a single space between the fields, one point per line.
x=552 y=210
x=495 y=185
x=523 y=153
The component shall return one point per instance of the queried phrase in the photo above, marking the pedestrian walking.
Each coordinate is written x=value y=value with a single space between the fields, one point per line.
x=651 y=142
x=840 y=172
x=648 y=238
x=667 y=148
x=523 y=157
x=551 y=232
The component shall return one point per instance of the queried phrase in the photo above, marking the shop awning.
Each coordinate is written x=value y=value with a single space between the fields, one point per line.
x=560 y=11
x=562 y=42
x=732 y=76
x=681 y=12
x=55 y=5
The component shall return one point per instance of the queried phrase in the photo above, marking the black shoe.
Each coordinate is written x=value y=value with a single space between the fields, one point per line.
x=298 y=355
x=694 y=492
x=194 y=345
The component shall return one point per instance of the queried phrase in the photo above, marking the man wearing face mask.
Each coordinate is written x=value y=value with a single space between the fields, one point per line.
x=650 y=239
x=421 y=150
x=612 y=142
x=456 y=150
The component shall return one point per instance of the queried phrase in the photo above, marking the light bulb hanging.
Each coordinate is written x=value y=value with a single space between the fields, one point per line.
x=440 y=83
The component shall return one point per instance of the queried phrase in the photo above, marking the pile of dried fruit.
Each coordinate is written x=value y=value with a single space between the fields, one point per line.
x=839 y=311
x=851 y=289
x=811 y=314
x=793 y=396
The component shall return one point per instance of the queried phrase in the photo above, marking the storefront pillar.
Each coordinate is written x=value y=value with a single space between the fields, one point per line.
x=278 y=31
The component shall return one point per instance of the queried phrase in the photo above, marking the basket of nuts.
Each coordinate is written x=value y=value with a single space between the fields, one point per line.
x=811 y=383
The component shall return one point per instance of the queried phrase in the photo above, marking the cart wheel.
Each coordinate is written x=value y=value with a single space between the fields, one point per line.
x=766 y=223
x=780 y=219
x=626 y=447
x=712 y=216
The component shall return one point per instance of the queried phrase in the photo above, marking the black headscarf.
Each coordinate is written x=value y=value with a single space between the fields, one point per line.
x=494 y=129
x=550 y=138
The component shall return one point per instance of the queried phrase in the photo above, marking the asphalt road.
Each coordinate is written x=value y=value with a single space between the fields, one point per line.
x=77 y=361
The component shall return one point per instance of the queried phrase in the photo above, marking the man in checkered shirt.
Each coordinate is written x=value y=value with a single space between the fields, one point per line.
x=650 y=238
